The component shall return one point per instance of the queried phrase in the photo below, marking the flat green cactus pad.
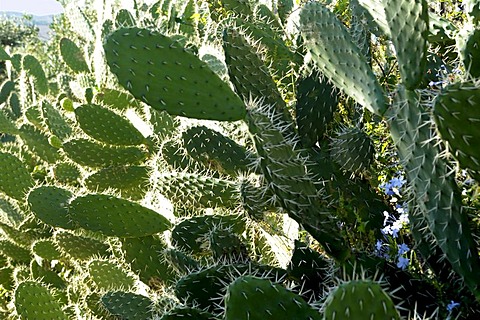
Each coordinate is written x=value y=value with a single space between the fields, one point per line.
x=108 y=275
x=107 y=126
x=73 y=56
x=337 y=56
x=15 y=180
x=256 y=298
x=360 y=299
x=457 y=114
x=49 y=204
x=159 y=71
x=127 y=305
x=114 y=216
x=34 y=301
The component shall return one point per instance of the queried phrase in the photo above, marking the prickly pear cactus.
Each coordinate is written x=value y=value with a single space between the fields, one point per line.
x=359 y=299
x=147 y=63
x=255 y=298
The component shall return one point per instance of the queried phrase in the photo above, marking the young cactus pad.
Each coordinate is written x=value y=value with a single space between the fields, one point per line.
x=336 y=55
x=159 y=71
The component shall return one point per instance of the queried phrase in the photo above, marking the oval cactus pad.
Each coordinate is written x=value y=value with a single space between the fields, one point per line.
x=161 y=73
x=116 y=217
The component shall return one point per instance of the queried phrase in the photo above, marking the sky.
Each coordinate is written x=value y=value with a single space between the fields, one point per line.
x=35 y=7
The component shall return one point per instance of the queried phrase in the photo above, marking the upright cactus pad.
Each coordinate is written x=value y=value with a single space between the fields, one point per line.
x=286 y=170
x=35 y=69
x=309 y=267
x=336 y=55
x=73 y=56
x=56 y=122
x=37 y=142
x=202 y=288
x=359 y=299
x=107 y=126
x=316 y=103
x=144 y=256
x=34 y=301
x=470 y=52
x=15 y=180
x=247 y=70
x=408 y=24
x=115 y=216
x=353 y=150
x=49 y=204
x=159 y=71
x=457 y=114
x=437 y=197
x=256 y=298
x=6 y=88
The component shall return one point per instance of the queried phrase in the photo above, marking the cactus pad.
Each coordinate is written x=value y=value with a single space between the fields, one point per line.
x=194 y=189
x=144 y=256
x=127 y=305
x=353 y=150
x=115 y=216
x=15 y=180
x=457 y=114
x=34 y=301
x=159 y=71
x=336 y=55
x=73 y=56
x=256 y=298
x=92 y=154
x=108 y=275
x=408 y=24
x=50 y=204
x=130 y=181
x=80 y=248
x=106 y=126
x=359 y=299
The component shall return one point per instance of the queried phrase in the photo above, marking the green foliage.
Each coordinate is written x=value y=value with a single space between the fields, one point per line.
x=198 y=160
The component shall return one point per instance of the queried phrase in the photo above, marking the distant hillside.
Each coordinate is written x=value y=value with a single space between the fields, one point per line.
x=37 y=20
x=42 y=22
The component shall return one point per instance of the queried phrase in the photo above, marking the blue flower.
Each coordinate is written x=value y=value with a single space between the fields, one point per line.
x=392 y=187
x=379 y=245
x=452 y=305
x=403 y=248
x=403 y=262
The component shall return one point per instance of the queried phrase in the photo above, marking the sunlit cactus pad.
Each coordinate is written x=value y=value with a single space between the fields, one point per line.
x=160 y=72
